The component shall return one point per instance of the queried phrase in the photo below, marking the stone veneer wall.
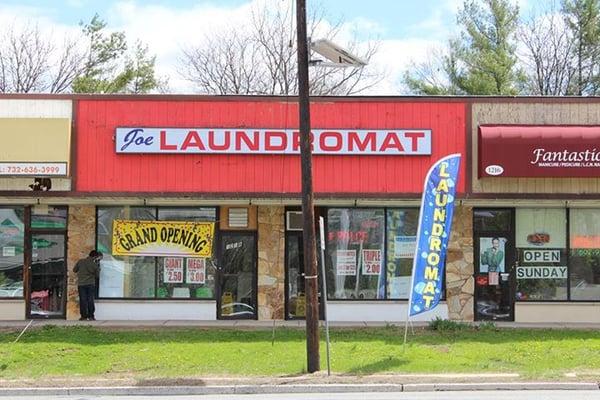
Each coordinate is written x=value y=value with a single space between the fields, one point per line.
x=459 y=266
x=271 y=260
x=81 y=237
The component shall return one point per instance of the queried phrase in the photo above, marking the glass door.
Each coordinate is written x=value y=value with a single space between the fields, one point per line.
x=238 y=276
x=47 y=276
x=295 y=304
x=494 y=263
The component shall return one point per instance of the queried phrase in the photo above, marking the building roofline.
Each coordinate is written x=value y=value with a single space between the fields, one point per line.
x=316 y=99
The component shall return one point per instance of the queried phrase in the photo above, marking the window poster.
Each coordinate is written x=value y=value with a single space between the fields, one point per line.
x=8 y=251
x=404 y=246
x=173 y=270
x=371 y=262
x=493 y=279
x=195 y=272
x=400 y=287
x=492 y=254
x=345 y=262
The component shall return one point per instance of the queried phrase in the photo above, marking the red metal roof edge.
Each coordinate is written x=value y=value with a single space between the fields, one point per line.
x=275 y=98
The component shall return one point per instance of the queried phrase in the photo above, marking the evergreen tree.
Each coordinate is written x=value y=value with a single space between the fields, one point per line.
x=482 y=61
x=109 y=69
x=583 y=20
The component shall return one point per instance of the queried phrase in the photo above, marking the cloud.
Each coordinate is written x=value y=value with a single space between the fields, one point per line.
x=395 y=57
x=168 y=29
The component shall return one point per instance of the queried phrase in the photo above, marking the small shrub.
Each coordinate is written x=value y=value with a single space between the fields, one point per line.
x=446 y=325
x=487 y=326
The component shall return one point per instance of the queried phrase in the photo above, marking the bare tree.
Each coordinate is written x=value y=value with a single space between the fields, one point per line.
x=433 y=76
x=96 y=61
x=260 y=58
x=547 y=54
x=68 y=66
x=31 y=62
x=24 y=60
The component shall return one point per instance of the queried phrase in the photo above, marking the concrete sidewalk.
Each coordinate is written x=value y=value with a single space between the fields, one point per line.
x=252 y=324
x=293 y=388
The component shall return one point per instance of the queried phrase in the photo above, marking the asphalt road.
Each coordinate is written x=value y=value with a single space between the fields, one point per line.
x=477 y=395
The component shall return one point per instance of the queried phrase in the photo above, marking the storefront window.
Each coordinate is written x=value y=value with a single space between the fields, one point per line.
x=490 y=220
x=186 y=277
x=401 y=242
x=124 y=276
x=584 y=261
x=153 y=277
x=48 y=217
x=541 y=247
x=11 y=253
x=355 y=245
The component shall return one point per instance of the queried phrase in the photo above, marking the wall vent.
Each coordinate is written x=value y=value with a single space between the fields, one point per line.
x=294 y=220
x=238 y=217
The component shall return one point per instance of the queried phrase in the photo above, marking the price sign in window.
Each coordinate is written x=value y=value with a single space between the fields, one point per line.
x=196 y=271
x=371 y=262
x=173 y=271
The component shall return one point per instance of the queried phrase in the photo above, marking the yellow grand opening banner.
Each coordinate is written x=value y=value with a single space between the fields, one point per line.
x=162 y=238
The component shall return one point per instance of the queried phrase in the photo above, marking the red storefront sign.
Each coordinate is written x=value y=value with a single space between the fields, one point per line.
x=539 y=151
x=271 y=141
x=101 y=169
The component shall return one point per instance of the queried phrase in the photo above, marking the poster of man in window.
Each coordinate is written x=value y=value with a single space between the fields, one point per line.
x=491 y=254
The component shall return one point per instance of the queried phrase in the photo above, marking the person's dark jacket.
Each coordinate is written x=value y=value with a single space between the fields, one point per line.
x=87 y=270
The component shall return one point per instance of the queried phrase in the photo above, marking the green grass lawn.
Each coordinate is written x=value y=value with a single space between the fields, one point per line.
x=170 y=353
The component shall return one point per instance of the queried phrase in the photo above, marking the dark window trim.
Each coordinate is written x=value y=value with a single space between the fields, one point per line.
x=385 y=239
x=511 y=235
x=254 y=234
x=29 y=232
x=24 y=272
x=568 y=255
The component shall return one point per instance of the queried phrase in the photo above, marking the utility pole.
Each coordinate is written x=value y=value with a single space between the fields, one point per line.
x=308 y=211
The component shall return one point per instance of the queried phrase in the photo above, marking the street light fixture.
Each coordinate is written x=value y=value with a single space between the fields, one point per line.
x=337 y=56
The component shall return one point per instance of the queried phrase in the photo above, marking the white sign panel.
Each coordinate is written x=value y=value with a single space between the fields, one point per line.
x=33 y=168
x=8 y=251
x=535 y=255
x=272 y=141
x=404 y=246
x=541 y=272
x=371 y=262
x=195 y=271
x=345 y=263
x=399 y=287
x=173 y=270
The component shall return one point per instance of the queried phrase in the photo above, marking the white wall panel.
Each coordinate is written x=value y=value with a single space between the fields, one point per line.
x=373 y=311
x=24 y=108
x=12 y=310
x=557 y=312
x=155 y=310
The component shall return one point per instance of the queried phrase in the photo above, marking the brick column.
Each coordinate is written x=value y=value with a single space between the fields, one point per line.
x=271 y=259
x=81 y=236
x=459 y=266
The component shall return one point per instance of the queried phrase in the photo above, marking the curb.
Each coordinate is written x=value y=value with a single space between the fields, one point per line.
x=275 y=389
x=490 y=386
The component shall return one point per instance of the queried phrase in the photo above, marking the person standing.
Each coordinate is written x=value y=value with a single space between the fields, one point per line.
x=87 y=270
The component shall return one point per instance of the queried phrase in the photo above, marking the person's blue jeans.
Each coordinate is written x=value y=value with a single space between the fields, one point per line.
x=86 y=301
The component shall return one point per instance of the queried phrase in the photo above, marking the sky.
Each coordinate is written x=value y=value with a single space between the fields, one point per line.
x=407 y=30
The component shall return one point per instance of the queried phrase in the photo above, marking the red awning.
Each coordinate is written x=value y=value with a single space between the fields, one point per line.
x=539 y=151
